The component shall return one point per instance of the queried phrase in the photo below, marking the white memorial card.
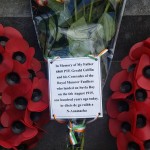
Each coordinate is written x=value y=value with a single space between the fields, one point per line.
x=75 y=88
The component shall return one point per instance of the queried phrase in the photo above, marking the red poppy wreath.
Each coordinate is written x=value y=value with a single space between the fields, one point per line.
x=129 y=105
x=23 y=92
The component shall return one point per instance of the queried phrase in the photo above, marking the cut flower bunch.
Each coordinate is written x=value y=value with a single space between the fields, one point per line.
x=23 y=93
x=128 y=106
x=77 y=28
x=74 y=28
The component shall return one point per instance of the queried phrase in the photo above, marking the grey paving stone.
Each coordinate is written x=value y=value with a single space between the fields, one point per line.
x=137 y=7
x=15 y=8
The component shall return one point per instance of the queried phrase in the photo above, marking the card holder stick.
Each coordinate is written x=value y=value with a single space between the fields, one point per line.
x=55 y=58
x=99 y=55
x=58 y=120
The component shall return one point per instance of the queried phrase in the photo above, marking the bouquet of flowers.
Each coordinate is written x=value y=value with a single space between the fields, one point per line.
x=77 y=28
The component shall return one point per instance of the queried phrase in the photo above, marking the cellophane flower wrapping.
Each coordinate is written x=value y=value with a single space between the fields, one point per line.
x=78 y=28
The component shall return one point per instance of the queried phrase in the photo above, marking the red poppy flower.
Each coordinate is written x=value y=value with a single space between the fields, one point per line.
x=37 y=119
x=6 y=64
x=18 y=78
x=137 y=50
x=30 y=144
x=20 y=51
x=35 y=68
x=129 y=142
x=18 y=99
x=16 y=106
x=3 y=136
x=124 y=123
x=20 y=132
x=39 y=95
x=122 y=85
x=13 y=97
x=7 y=33
x=15 y=45
x=10 y=115
x=115 y=107
x=142 y=128
x=122 y=82
x=142 y=73
x=142 y=97
x=128 y=64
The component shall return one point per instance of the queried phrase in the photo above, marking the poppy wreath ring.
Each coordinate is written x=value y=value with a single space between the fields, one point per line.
x=23 y=93
x=129 y=104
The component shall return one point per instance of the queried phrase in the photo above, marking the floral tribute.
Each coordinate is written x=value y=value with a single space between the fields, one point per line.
x=23 y=92
x=129 y=104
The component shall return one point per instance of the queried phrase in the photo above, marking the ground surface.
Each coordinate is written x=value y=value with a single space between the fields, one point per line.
x=134 y=27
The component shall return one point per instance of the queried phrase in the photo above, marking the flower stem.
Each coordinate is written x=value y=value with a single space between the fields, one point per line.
x=82 y=142
x=91 y=9
x=107 y=7
x=75 y=7
x=84 y=7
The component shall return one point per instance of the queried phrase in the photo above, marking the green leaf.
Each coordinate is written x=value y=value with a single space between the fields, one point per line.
x=77 y=36
x=84 y=39
x=76 y=31
x=108 y=24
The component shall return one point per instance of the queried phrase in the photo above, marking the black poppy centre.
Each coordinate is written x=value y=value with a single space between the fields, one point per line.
x=141 y=121
x=131 y=68
x=12 y=78
x=126 y=127
x=126 y=87
x=3 y=40
x=147 y=145
x=20 y=103
x=35 y=116
x=36 y=95
x=32 y=74
x=146 y=72
x=141 y=95
x=1 y=127
x=123 y=106
x=18 y=127
x=20 y=57
x=1 y=58
x=133 y=146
